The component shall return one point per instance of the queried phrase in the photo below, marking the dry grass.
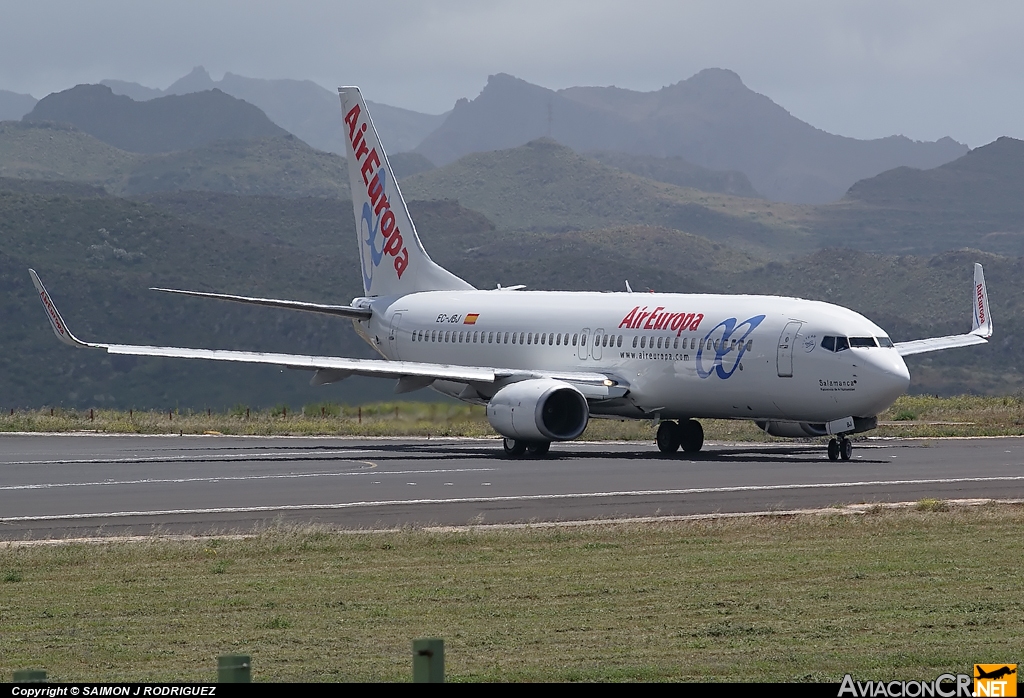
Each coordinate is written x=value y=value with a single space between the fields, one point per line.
x=911 y=415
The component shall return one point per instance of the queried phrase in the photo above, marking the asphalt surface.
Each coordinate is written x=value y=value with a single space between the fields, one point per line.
x=55 y=486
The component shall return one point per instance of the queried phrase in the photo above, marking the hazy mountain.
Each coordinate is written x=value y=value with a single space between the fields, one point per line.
x=676 y=170
x=712 y=120
x=160 y=125
x=140 y=93
x=545 y=186
x=280 y=166
x=13 y=106
x=408 y=164
x=300 y=107
x=974 y=201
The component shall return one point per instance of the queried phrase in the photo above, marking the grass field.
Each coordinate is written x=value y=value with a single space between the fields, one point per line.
x=904 y=594
x=910 y=416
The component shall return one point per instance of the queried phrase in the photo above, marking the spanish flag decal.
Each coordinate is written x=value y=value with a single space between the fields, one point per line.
x=471 y=319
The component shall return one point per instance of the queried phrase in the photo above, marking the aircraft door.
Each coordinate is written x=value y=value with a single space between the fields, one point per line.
x=785 y=356
x=599 y=337
x=396 y=320
x=583 y=349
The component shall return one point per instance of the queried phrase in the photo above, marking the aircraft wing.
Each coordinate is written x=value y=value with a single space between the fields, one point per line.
x=342 y=310
x=980 y=332
x=334 y=368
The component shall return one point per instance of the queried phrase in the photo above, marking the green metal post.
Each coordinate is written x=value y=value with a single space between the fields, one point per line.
x=29 y=676
x=234 y=668
x=428 y=661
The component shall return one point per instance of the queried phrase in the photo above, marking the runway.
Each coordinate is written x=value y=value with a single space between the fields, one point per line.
x=55 y=486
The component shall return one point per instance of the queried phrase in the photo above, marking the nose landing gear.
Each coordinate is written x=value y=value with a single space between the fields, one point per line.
x=840 y=448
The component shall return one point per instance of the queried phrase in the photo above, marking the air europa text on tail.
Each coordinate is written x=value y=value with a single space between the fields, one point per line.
x=383 y=218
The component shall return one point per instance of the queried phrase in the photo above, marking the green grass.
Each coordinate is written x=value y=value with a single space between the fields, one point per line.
x=909 y=416
x=891 y=594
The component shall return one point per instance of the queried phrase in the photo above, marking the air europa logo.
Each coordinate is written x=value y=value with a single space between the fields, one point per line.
x=733 y=341
x=981 y=304
x=54 y=317
x=640 y=319
x=377 y=218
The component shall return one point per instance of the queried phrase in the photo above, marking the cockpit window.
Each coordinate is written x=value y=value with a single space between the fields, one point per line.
x=884 y=342
x=828 y=343
x=842 y=344
x=862 y=342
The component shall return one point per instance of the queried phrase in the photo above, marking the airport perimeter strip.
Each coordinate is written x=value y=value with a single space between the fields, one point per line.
x=542 y=497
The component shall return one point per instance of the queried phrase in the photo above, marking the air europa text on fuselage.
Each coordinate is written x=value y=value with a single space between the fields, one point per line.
x=383 y=217
x=981 y=304
x=642 y=319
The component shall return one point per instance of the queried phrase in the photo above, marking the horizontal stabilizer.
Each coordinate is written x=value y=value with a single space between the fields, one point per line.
x=341 y=310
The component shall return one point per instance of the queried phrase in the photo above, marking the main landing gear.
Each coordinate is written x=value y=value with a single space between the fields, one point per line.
x=517 y=448
x=689 y=434
x=840 y=448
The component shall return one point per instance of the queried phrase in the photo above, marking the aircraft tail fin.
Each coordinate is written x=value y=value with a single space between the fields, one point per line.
x=393 y=259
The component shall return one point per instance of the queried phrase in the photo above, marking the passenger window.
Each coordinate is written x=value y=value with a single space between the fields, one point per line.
x=583 y=339
x=635 y=340
x=750 y=343
x=551 y=338
x=574 y=338
x=619 y=343
x=842 y=344
x=604 y=341
x=565 y=339
x=522 y=337
x=643 y=342
x=693 y=344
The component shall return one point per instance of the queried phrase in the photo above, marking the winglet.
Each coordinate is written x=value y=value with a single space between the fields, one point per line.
x=53 y=315
x=982 y=312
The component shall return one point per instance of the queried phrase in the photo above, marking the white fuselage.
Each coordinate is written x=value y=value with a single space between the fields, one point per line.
x=682 y=355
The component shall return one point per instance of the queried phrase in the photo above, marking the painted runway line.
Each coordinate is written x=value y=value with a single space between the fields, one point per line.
x=514 y=498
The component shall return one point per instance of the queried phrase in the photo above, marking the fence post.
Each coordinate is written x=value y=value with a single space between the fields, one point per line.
x=428 y=660
x=234 y=668
x=29 y=676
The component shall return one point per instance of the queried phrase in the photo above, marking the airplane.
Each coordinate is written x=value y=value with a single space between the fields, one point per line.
x=545 y=362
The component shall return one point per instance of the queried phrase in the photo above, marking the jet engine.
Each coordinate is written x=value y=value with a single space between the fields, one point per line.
x=541 y=409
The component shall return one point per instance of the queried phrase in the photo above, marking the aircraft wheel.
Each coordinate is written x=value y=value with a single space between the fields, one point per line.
x=833 y=449
x=514 y=448
x=539 y=449
x=846 y=449
x=691 y=435
x=668 y=437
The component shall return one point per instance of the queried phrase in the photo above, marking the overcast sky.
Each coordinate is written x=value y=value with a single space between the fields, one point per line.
x=865 y=69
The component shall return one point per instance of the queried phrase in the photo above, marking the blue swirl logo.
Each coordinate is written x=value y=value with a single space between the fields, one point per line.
x=370 y=227
x=730 y=329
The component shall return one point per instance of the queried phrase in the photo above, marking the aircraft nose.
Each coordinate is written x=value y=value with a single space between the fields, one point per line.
x=890 y=377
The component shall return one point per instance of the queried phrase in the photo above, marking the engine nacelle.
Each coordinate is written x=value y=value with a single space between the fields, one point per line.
x=541 y=409
x=801 y=430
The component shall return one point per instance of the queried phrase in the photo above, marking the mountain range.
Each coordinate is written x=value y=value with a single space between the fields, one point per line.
x=299 y=106
x=711 y=119
x=710 y=124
